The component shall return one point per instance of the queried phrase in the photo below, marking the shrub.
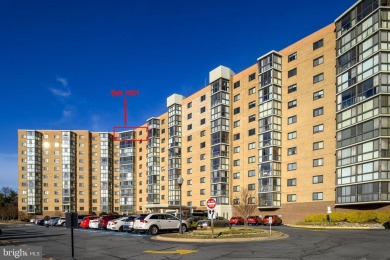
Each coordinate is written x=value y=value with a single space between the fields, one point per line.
x=316 y=218
x=338 y=216
x=352 y=217
x=383 y=217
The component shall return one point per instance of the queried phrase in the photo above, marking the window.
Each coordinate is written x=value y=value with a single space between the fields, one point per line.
x=236 y=201
x=292 y=57
x=318 y=179
x=251 y=131
x=292 y=88
x=251 y=146
x=251 y=173
x=318 y=61
x=203 y=156
x=203 y=168
x=292 y=182
x=318 y=196
x=236 y=123
x=236 y=97
x=318 y=44
x=292 y=135
x=251 y=118
x=236 y=188
x=319 y=94
x=318 y=111
x=189 y=127
x=202 y=133
x=202 y=98
x=251 y=104
x=202 y=192
x=202 y=144
x=203 y=180
x=318 y=162
x=318 y=145
x=292 y=120
x=236 y=162
x=291 y=197
x=291 y=166
x=292 y=150
x=189 y=171
x=292 y=104
x=189 y=149
x=189 y=116
x=318 y=78
x=236 y=110
x=189 y=160
x=189 y=138
x=202 y=110
x=189 y=105
x=236 y=84
x=252 y=77
x=292 y=72
x=189 y=182
x=236 y=175
x=236 y=136
x=203 y=121
x=318 y=128
x=252 y=91
x=251 y=186
x=252 y=159
x=236 y=149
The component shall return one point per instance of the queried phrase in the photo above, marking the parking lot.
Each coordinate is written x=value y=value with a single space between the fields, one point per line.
x=101 y=244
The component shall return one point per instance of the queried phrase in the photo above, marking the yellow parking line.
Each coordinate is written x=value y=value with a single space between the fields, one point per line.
x=177 y=251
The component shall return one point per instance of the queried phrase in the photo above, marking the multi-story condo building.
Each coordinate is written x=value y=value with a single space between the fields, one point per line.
x=303 y=129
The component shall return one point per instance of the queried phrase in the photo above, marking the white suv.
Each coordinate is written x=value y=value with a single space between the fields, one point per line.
x=155 y=222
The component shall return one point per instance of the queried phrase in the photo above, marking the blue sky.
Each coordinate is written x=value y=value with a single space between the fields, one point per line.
x=59 y=60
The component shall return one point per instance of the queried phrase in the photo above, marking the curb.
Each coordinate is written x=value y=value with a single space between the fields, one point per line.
x=224 y=240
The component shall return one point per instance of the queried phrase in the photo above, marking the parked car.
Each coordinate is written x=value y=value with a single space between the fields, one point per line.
x=128 y=225
x=48 y=220
x=53 y=221
x=254 y=220
x=40 y=221
x=117 y=224
x=103 y=221
x=85 y=221
x=154 y=222
x=218 y=222
x=236 y=221
x=276 y=220
x=61 y=222
x=94 y=223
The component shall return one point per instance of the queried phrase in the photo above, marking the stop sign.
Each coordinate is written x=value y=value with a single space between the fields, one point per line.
x=211 y=203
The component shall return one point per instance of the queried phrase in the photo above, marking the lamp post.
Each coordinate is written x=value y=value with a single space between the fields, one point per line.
x=180 y=182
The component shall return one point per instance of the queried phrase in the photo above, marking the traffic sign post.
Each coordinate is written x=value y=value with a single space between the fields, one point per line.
x=270 y=224
x=211 y=203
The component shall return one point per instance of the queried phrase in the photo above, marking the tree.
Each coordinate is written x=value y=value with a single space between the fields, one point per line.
x=247 y=205
x=8 y=203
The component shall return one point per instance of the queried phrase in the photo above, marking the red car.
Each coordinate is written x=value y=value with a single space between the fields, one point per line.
x=276 y=220
x=85 y=221
x=236 y=221
x=254 y=220
x=103 y=221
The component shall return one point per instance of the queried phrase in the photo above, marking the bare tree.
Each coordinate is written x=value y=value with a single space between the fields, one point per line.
x=247 y=205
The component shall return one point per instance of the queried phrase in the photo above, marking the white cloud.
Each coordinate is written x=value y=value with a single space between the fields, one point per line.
x=63 y=81
x=64 y=91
